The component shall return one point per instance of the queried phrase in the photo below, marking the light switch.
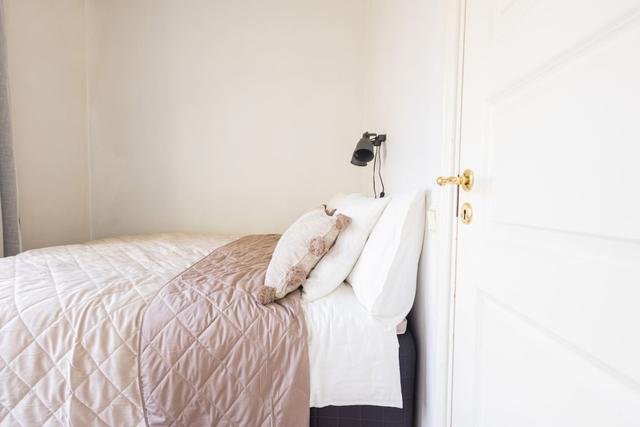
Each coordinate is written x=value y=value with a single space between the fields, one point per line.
x=431 y=220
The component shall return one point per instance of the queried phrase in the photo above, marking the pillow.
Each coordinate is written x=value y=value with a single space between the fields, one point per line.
x=336 y=265
x=384 y=278
x=299 y=250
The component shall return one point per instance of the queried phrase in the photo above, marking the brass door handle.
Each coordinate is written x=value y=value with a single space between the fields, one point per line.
x=465 y=180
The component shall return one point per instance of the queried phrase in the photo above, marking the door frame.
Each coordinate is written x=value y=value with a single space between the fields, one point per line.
x=447 y=245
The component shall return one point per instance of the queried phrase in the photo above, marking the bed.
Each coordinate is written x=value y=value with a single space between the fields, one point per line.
x=70 y=323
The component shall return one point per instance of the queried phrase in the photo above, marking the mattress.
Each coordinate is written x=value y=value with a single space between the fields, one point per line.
x=69 y=322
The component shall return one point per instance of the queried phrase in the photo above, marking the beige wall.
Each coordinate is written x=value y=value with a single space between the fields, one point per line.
x=407 y=80
x=149 y=115
x=46 y=57
x=221 y=115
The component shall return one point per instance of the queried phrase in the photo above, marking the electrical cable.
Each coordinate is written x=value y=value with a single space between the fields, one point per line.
x=380 y=172
x=375 y=158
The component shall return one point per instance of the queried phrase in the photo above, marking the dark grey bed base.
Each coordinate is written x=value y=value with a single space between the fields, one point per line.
x=376 y=416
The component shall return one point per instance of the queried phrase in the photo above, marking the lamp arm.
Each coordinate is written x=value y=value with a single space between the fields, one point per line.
x=378 y=140
x=375 y=139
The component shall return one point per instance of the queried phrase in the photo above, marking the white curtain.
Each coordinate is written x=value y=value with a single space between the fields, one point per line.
x=10 y=229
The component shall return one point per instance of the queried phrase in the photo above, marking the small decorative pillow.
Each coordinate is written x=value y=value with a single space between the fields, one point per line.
x=334 y=268
x=299 y=249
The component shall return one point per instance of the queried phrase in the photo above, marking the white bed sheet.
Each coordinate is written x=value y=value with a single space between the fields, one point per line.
x=353 y=358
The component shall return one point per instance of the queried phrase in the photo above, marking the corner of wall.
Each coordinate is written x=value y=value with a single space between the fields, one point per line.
x=91 y=234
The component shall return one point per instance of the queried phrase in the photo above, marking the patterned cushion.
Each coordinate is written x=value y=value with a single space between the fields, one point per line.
x=301 y=247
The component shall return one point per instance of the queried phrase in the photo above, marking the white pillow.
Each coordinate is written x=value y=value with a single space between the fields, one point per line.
x=336 y=265
x=384 y=278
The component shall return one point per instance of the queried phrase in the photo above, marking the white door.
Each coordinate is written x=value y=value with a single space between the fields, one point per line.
x=547 y=308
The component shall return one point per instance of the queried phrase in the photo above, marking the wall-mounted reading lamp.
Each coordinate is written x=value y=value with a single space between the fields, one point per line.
x=367 y=149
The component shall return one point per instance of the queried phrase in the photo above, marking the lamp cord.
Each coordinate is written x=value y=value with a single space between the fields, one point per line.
x=377 y=162
x=380 y=172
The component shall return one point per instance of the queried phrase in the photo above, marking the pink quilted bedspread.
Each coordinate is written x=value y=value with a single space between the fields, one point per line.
x=211 y=355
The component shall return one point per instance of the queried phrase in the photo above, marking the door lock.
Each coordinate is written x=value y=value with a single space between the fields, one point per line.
x=466 y=214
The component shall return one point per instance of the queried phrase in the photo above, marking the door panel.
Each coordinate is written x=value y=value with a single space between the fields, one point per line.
x=529 y=37
x=563 y=385
x=543 y=144
x=548 y=272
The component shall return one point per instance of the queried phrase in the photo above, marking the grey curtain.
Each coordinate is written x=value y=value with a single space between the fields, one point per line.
x=10 y=230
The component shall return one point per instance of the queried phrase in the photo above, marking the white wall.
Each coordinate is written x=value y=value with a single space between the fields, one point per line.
x=410 y=73
x=221 y=115
x=46 y=57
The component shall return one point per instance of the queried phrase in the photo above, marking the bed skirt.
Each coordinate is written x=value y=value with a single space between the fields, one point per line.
x=376 y=416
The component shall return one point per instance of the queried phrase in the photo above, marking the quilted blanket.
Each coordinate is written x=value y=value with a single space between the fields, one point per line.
x=210 y=355
x=69 y=322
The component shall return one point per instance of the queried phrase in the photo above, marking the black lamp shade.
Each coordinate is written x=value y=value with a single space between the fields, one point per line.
x=363 y=153
x=357 y=162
